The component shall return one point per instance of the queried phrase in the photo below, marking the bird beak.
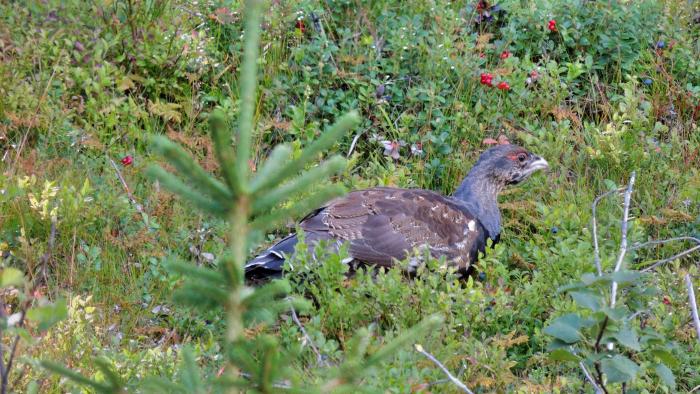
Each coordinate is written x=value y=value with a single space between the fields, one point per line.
x=537 y=164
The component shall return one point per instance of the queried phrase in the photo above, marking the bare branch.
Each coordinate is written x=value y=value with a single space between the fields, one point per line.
x=444 y=369
x=693 y=304
x=623 y=240
x=320 y=360
x=590 y=379
x=594 y=227
x=664 y=241
x=674 y=257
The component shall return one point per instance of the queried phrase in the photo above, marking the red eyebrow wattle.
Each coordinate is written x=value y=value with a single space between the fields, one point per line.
x=514 y=155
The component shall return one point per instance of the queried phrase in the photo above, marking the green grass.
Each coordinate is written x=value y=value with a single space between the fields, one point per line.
x=83 y=83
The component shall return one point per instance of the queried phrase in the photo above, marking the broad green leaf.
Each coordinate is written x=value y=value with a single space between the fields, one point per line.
x=570 y=286
x=628 y=338
x=615 y=314
x=622 y=277
x=590 y=278
x=11 y=277
x=566 y=328
x=666 y=375
x=665 y=356
x=562 y=355
x=557 y=344
x=48 y=315
x=587 y=299
x=619 y=369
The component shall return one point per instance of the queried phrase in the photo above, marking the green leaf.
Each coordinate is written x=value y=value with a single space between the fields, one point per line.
x=622 y=277
x=665 y=356
x=615 y=314
x=11 y=277
x=587 y=299
x=557 y=344
x=628 y=338
x=48 y=315
x=619 y=369
x=666 y=375
x=570 y=286
x=566 y=328
x=590 y=278
x=562 y=355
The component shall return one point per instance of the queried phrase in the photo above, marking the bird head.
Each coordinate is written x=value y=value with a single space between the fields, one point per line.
x=508 y=165
x=496 y=168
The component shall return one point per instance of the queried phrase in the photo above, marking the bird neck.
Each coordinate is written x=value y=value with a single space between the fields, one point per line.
x=479 y=194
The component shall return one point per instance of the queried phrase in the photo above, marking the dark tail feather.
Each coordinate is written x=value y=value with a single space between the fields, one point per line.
x=269 y=264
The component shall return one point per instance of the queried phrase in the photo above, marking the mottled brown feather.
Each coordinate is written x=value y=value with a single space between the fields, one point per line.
x=383 y=225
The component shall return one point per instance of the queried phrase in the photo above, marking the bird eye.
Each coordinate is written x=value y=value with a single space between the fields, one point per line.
x=522 y=157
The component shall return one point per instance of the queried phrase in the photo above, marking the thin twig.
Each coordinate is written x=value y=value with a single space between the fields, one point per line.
x=664 y=241
x=600 y=334
x=446 y=380
x=319 y=357
x=444 y=369
x=623 y=240
x=590 y=379
x=594 y=226
x=138 y=206
x=600 y=377
x=672 y=258
x=693 y=304
x=354 y=142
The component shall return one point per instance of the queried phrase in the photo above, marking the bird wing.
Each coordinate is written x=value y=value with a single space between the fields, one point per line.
x=383 y=225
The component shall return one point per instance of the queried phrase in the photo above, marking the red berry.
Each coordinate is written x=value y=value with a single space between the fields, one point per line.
x=486 y=79
x=666 y=301
x=552 y=26
x=505 y=55
x=127 y=160
x=300 y=25
x=503 y=86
